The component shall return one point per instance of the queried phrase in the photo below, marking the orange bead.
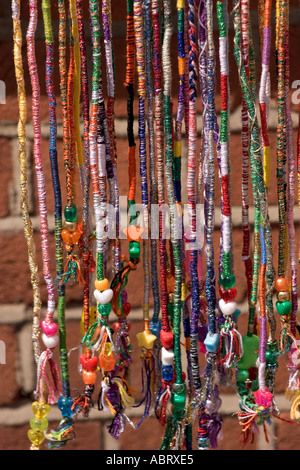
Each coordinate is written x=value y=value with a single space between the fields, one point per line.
x=107 y=362
x=102 y=284
x=65 y=235
x=171 y=284
x=89 y=377
x=75 y=237
x=282 y=284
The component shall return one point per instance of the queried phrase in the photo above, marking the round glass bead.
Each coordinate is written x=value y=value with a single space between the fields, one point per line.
x=227 y=282
x=39 y=424
x=104 y=309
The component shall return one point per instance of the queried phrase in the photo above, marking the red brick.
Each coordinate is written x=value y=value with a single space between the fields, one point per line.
x=6 y=172
x=9 y=391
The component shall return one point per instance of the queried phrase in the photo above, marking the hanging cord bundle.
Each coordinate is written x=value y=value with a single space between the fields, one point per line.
x=115 y=391
x=264 y=99
x=110 y=130
x=209 y=391
x=251 y=341
x=70 y=95
x=231 y=347
x=175 y=429
x=287 y=302
x=257 y=407
x=161 y=329
x=40 y=409
x=87 y=238
x=191 y=177
x=145 y=339
x=49 y=336
x=65 y=429
x=245 y=153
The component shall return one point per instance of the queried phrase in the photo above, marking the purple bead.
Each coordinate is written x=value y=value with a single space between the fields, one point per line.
x=202 y=332
x=113 y=394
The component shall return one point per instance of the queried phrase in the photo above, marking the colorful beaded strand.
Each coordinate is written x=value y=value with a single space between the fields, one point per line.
x=50 y=338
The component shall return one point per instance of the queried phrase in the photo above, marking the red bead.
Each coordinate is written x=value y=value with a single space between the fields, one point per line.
x=116 y=326
x=228 y=295
x=90 y=363
x=166 y=339
x=126 y=309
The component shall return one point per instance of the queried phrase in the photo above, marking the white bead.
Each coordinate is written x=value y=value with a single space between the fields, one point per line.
x=227 y=308
x=167 y=357
x=103 y=297
x=50 y=341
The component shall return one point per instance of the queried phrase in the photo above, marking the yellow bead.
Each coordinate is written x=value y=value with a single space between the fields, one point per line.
x=146 y=340
x=36 y=437
x=40 y=410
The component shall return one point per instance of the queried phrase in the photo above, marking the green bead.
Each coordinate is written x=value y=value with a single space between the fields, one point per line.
x=39 y=424
x=71 y=213
x=272 y=354
x=227 y=281
x=134 y=250
x=178 y=402
x=284 y=308
x=104 y=309
x=251 y=347
x=242 y=375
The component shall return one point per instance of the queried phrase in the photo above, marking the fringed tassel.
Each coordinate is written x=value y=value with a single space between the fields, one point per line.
x=54 y=387
x=96 y=336
x=72 y=269
x=286 y=338
x=148 y=383
x=255 y=413
x=59 y=438
x=162 y=402
x=84 y=402
x=114 y=395
x=231 y=341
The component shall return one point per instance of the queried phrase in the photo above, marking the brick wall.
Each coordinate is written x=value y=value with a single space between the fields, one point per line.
x=17 y=376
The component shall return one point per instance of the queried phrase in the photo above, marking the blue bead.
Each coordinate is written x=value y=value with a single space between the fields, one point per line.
x=236 y=314
x=65 y=406
x=167 y=373
x=212 y=342
x=155 y=328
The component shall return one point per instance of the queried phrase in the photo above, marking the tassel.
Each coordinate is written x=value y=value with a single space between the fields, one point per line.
x=84 y=402
x=231 y=340
x=148 y=381
x=54 y=388
x=72 y=268
x=162 y=402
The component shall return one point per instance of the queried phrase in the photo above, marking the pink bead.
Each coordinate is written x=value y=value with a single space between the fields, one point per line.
x=49 y=328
